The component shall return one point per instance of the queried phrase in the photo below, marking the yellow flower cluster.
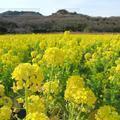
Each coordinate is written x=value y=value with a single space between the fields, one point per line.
x=20 y=100
x=5 y=113
x=1 y=52
x=118 y=68
x=10 y=59
x=36 y=116
x=5 y=105
x=35 y=104
x=77 y=93
x=34 y=54
x=2 y=90
x=107 y=113
x=117 y=61
x=72 y=55
x=54 y=56
x=42 y=45
x=27 y=76
x=51 y=87
x=36 y=57
x=5 y=101
x=87 y=56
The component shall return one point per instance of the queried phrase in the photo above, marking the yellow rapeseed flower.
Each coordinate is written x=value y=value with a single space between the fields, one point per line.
x=36 y=116
x=54 y=56
x=35 y=104
x=51 y=87
x=2 y=90
x=77 y=93
x=107 y=113
x=5 y=113
x=27 y=75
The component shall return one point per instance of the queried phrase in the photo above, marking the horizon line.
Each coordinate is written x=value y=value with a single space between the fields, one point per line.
x=38 y=11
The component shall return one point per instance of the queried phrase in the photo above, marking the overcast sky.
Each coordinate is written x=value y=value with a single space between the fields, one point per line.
x=46 y=7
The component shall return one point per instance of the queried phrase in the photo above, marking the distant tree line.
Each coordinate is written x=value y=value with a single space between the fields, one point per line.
x=31 y=22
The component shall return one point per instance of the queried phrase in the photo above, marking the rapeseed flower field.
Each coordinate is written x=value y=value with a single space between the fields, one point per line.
x=60 y=77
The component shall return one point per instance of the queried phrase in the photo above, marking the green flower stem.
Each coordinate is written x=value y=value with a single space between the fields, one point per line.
x=71 y=112
x=26 y=100
x=52 y=73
